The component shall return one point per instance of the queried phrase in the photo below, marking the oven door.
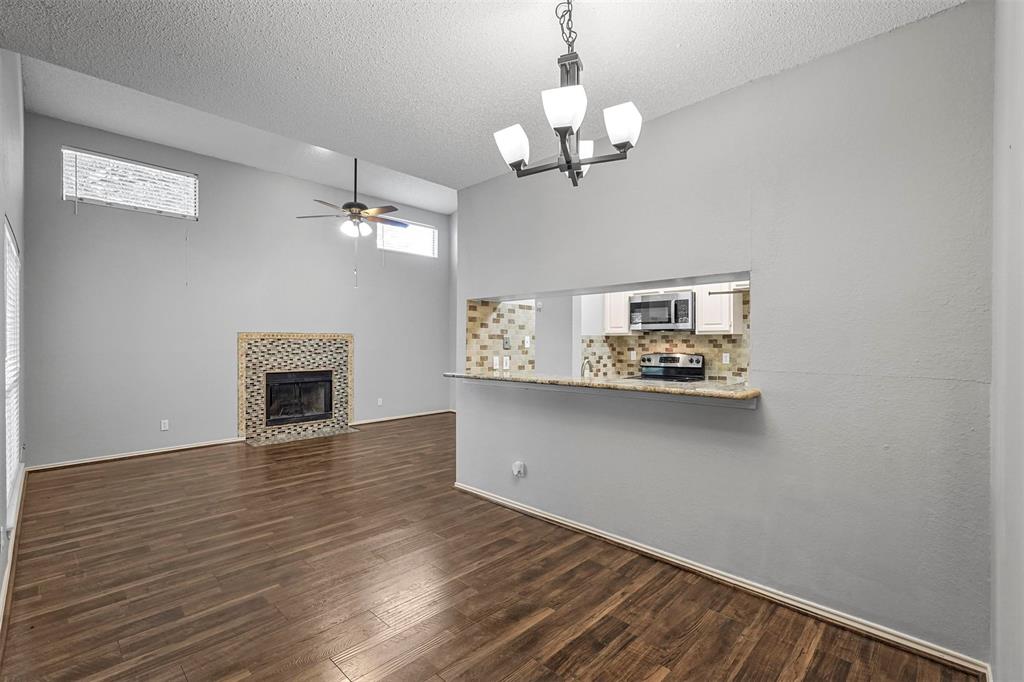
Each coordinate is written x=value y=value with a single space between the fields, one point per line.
x=659 y=311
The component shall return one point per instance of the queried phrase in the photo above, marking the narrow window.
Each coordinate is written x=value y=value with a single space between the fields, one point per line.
x=93 y=178
x=419 y=240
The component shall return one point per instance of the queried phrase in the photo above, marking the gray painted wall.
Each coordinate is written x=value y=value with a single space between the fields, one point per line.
x=554 y=330
x=856 y=189
x=127 y=323
x=1007 y=341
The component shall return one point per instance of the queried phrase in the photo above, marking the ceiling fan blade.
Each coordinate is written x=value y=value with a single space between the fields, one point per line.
x=327 y=203
x=385 y=221
x=322 y=215
x=380 y=209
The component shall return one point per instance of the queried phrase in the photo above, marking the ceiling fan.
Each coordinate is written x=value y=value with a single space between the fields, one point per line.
x=356 y=214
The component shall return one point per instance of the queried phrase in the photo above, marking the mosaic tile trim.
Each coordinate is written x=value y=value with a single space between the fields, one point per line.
x=262 y=352
x=609 y=355
x=488 y=323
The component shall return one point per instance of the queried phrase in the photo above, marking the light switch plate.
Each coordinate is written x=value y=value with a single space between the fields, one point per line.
x=632 y=355
x=165 y=425
x=496 y=362
x=725 y=358
x=526 y=341
x=506 y=362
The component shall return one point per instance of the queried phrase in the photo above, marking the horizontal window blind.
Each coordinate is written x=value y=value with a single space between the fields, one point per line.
x=109 y=181
x=12 y=364
x=420 y=240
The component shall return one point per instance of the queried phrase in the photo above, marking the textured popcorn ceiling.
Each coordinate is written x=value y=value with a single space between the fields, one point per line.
x=420 y=86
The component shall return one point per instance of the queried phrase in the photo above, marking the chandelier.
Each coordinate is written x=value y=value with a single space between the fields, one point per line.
x=565 y=107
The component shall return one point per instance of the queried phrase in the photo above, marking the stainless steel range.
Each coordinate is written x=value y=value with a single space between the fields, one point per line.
x=672 y=366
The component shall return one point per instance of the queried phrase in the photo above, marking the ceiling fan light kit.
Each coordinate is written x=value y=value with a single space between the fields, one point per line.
x=565 y=108
x=358 y=218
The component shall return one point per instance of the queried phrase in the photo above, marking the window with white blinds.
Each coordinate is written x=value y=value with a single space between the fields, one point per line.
x=419 y=240
x=12 y=362
x=93 y=178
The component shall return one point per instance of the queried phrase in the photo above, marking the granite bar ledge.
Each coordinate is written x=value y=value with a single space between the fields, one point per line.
x=713 y=390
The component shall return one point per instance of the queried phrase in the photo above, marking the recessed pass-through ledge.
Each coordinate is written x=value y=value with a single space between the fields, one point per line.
x=699 y=392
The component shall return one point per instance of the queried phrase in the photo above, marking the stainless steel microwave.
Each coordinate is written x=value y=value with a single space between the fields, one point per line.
x=662 y=311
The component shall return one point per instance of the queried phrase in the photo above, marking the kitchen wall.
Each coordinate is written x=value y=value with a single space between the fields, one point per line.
x=488 y=323
x=1007 y=341
x=132 y=318
x=609 y=355
x=558 y=323
x=857 y=191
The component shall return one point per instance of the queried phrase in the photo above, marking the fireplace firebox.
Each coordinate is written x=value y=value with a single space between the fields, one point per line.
x=294 y=397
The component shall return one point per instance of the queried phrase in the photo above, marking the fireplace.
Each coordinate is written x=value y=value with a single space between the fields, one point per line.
x=301 y=396
x=279 y=399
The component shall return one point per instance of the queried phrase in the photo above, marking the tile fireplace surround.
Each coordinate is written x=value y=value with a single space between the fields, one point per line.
x=262 y=352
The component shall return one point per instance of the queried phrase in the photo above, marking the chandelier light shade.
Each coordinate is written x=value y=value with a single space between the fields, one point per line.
x=565 y=108
x=513 y=144
x=623 y=122
x=586 y=151
x=365 y=229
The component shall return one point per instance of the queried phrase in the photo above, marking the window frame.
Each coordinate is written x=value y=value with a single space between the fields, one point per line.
x=13 y=480
x=437 y=239
x=115 y=204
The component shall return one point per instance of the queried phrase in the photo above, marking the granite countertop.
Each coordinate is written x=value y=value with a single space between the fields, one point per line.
x=699 y=389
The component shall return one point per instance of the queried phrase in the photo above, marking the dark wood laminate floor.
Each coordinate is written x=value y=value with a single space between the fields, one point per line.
x=353 y=558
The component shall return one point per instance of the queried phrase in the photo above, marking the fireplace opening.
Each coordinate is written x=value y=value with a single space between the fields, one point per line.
x=294 y=397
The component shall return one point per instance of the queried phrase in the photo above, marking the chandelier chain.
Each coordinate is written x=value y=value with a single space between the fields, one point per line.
x=564 y=13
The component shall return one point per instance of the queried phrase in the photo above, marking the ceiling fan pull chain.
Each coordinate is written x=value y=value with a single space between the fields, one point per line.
x=355 y=263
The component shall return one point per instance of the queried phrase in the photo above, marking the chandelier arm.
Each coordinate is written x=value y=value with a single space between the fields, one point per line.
x=533 y=170
x=605 y=158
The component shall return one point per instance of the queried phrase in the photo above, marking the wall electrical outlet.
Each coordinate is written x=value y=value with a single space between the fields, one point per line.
x=165 y=424
x=725 y=358
x=506 y=362
x=506 y=342
x=518 y=469
x=497 y=362
x=380 y=401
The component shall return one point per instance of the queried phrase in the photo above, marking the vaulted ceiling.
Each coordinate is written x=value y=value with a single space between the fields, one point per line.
x=420 y=86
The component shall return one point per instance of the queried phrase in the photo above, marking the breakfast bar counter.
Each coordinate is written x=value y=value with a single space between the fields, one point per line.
x=714 y=392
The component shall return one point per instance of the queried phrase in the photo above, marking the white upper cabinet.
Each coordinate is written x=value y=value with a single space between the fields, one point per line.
x=616 y=313
x=719 y=313
x=604 y=314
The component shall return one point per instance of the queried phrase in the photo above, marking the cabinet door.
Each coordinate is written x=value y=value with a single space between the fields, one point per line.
x=616 y=313
x=714 y=312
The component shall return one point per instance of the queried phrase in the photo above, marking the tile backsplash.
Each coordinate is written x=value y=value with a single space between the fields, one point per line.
x=609 y=355
x=488 y=323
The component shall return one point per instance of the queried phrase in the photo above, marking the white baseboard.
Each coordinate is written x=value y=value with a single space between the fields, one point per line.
x=875 y=630
x=399 y=416
x=138 y=453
